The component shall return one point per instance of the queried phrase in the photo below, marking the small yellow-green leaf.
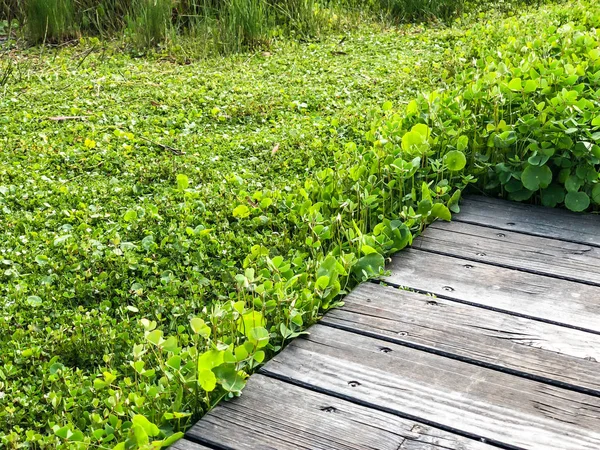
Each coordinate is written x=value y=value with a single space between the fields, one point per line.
x=155 y=337
x=259 y=336
x=199 y=327
x=207 y=380
x=515 y=85
x=241 y=212
x=149 y=427
x=530 y=86
x=210 y=359
x=182 y=182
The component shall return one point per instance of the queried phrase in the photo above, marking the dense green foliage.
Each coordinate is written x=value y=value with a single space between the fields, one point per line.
x=529 y=115
x=142 y=285
x=100 y=227
x=214 y=25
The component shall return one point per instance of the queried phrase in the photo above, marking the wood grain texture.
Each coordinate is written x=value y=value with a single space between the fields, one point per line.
x=536 y=220
x=184 y=444
x=561 y=301
x=489 y=338
x=502 y=408
x=567 y=260
x=272 y=414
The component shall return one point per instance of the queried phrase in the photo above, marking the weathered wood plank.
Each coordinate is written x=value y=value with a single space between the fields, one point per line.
x=551 y=299
x=502 y=408
x=575 y=262
x=272 y=414
x=490 y=338
x=530 y=219
x=184 y=444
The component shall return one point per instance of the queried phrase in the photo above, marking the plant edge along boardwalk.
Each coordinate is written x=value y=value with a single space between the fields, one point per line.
x=485 y=334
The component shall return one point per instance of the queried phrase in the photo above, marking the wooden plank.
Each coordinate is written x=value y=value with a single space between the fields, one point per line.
x=184 y=444
x=536 y=220
x=545 y=298
x=503 y=409
x=490 y=338
x=567 y=260
x=272 y=414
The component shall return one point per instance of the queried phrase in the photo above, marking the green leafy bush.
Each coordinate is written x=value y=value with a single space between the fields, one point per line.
x=529 y=120
x=140 y=290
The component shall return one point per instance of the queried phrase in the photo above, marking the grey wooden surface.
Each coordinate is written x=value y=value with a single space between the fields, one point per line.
x=482 y=402
x=552 y=299
x=291 y=417
x=530 y=219
x=497 y=347
x=184 y=444
x=560 y=259
x=489 y=338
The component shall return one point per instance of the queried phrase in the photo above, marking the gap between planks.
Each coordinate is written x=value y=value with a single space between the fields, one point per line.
x=530 y=219
x=540 y=256
x=548 y=353
x=502 y=409
x=536 y=297
x=273 y=414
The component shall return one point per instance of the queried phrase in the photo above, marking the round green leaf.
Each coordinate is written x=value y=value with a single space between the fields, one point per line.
x=155 y=337
x=174 y=362
x=207 y=380
x=130 y=215
x=210 y=359
x=369 y=266
x=42 y=260
x=515 y=84
x=530 y=86
x=455 y=160
x=231 y=379
x=441 y=211
x=182 y=182
x=535 y=177
x=259 y=336
x=199 y=327
x=250 y=320
x=34 y=300
x=553 y=195
x=462 y=143
x=513 y=185
x=520 y=196
x=573 y=183
x=149 y=427
x=241 y=212
x=596 y=194
x=577 y=201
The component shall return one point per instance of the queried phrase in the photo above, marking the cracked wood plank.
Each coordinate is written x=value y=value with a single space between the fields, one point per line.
x=540 y=297
x=503 y=409
x=536 y=220
x=272 y=414
x=490 y=338
x=567 y=260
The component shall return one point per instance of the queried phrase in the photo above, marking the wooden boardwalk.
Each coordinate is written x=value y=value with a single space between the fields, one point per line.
x=496 y=345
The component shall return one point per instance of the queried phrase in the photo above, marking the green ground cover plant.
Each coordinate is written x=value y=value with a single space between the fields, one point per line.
x=142 y=285
x=102 y=225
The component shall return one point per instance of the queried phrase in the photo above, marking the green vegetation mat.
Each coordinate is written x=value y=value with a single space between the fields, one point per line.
x=166 y=227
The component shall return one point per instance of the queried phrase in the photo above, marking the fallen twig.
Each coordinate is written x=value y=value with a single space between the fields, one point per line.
x=173 y=150
x=63 y=118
